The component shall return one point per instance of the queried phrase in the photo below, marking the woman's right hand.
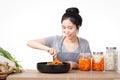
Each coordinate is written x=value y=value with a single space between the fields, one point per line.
x=53 y=52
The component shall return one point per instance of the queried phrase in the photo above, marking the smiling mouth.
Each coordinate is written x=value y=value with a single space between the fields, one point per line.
x=67 y=35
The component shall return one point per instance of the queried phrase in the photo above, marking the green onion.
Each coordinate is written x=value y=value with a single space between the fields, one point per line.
x=6 y=54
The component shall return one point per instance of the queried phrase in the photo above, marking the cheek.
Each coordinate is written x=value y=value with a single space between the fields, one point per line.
x=63 y=30
x=73 y=31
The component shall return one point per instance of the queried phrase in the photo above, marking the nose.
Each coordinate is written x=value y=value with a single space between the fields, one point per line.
x=66 y=31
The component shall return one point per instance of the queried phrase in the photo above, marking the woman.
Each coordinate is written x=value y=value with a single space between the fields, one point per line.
x=68 y=46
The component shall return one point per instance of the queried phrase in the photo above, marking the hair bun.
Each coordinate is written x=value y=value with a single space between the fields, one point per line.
x=72 y=10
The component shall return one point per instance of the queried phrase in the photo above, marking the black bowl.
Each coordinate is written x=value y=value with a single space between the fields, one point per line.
x=44 y=68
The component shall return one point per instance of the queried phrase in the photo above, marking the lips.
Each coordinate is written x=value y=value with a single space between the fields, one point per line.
x=68 y=35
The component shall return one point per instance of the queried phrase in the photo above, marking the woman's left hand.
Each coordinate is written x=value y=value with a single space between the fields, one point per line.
x=73 y=65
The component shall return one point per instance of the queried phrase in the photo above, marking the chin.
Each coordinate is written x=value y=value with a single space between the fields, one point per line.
x=69 y=37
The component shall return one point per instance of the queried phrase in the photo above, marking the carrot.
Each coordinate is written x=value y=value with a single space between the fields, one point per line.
x=98 y=66
x=84 y=64
x=55 y=62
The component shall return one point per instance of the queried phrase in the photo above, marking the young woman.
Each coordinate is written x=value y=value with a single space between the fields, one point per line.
x=68 y=46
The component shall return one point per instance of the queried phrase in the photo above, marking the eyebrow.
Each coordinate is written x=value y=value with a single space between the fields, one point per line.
x=67 y=26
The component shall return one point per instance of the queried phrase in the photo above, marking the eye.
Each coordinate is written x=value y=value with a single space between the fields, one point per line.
x=70 y=27
x=63 y=27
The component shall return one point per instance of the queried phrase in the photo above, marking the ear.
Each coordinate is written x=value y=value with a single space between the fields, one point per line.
x=78 y=27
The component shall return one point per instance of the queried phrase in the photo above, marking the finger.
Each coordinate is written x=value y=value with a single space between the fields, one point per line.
x=50 y=51
x=69 y=62
x=55 y=56
x=54 y=52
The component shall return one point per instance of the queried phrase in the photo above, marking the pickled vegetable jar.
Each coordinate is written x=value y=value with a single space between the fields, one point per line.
x=98 y=61
x=85 y=61
x=111 y=58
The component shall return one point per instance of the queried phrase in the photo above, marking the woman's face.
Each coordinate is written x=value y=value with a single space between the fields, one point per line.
x=69 y=29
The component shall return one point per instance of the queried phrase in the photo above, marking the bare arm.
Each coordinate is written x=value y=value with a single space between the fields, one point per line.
x=41 y=45
x=38 y=44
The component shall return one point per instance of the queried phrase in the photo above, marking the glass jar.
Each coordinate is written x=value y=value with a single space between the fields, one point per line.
x=111 y=58
x=84 y=62
x=98 y=61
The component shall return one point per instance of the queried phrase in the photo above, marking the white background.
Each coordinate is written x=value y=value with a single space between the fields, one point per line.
x=23 y=20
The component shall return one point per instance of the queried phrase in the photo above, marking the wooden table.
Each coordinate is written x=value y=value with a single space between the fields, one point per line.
x=72 y=75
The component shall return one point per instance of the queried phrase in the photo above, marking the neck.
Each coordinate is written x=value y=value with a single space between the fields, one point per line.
x=72 y=40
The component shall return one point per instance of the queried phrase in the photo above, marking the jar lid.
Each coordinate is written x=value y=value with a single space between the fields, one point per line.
x=111 y=48
x=97 y=52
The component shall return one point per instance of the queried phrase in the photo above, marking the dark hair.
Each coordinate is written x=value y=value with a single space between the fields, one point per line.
x=73 y=14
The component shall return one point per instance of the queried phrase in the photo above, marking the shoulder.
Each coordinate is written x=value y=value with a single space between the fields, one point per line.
x=82 y=40
x=54 y=38
x=58 y=37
